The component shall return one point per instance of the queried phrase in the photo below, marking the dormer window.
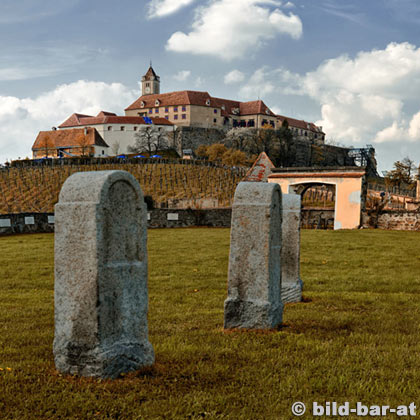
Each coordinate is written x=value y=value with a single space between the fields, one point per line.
x=142 y=104
x=157 y=102
x=224 y=108
x=267 y=111
x=208 y=102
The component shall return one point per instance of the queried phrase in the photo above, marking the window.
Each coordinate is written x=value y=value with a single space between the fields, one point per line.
x=109 y=128
x=135 y=128
x=184 y=116
x=166 y=117
x=215 y=120
x=150 y=111
x=103 y=152
x=175 y=117
x=157 y=102
x=147 y=84
x=156 y=110
x=122 y=128
x=166 y=109
x=175 y=109
x=184 y=109
x=208 y=102
x=215 y=111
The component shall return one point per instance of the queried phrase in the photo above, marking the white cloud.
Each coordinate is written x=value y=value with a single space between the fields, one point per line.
x=182 y=75
x=231 y=29
x=235 y=76
x=22 y=119
x=161 y=8
x=370 y=97
x=266 y=81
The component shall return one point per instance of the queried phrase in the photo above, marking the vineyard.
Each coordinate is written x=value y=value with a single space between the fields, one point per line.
x=36 y=188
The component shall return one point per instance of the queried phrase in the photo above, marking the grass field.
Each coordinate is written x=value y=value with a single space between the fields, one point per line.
x=355 y=338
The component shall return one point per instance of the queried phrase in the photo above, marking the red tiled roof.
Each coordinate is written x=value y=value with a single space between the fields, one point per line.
x=229 y=105
x=190 y=97
x=108 y=118
x=300 y=124
x=255 y=107
x=68 y=138
x=184 y=97
x=260 y=170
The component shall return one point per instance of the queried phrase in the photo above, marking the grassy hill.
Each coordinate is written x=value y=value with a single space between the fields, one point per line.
x=36 y=188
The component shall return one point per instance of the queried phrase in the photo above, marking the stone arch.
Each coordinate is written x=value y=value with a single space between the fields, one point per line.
x=350 y=184
x=322 y=215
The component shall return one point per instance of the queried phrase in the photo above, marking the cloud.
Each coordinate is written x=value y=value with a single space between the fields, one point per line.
x=22 y=119
x=372 y=97
x=231 y=29
x=266 y=81
x=235 y=76
x=182 y=75
x=161 y=8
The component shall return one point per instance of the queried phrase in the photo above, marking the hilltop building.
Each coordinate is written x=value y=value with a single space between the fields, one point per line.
x=72 y=142
x=189 y=108
x=107 y=134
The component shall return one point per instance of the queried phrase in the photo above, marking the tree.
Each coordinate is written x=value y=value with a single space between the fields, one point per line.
x=149 y=139
x=84 y=145
x=402 y=174
x=47 y=146
x=234 y=157
x=115 y=147
x=216 y=151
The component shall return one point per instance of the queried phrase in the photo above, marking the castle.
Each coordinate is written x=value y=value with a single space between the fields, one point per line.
x=189 y=108
x=107 y=134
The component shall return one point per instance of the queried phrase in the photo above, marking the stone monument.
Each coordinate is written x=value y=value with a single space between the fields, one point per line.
x=254 y=299
x=291 y=284
x=101 y=296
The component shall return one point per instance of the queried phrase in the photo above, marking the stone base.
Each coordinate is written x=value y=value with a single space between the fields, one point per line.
x=104 y=363
x=252 y=314
x=291 y=292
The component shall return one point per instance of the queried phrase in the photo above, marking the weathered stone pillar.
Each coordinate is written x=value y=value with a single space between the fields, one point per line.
x=101 y=296
x=291 y=284
x=254 y=264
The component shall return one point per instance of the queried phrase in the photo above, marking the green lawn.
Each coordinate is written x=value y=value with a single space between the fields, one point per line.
x=355 y=338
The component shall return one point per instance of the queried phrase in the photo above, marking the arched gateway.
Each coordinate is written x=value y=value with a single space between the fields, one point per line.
x=350 y=189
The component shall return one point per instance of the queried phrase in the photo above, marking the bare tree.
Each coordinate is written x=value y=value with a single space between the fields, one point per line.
x=47 y=146
x=149 y=139
x=115 y=147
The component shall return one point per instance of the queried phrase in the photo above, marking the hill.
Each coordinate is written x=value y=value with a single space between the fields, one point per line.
x=36 y=188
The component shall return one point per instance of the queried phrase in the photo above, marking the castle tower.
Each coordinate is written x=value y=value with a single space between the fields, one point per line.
x=150 y=82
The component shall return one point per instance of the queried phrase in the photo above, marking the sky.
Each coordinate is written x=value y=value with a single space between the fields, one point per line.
x=352 y=67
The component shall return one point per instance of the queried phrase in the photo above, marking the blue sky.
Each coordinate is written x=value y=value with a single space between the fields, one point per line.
x=352 y=67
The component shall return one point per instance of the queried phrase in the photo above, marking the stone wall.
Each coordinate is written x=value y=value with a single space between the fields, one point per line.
x=26 y=223
x=157 y=218
x=193 y=137
x=393 y=220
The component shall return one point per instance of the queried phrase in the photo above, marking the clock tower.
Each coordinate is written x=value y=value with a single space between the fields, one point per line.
x=150 y=83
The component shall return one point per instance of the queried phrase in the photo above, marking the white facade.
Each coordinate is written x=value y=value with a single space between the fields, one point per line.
x=118 y=136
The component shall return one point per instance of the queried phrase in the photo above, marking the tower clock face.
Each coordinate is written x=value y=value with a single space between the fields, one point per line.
x=147 y=90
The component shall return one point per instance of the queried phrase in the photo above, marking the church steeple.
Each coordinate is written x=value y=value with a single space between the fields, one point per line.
x=150 y=82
